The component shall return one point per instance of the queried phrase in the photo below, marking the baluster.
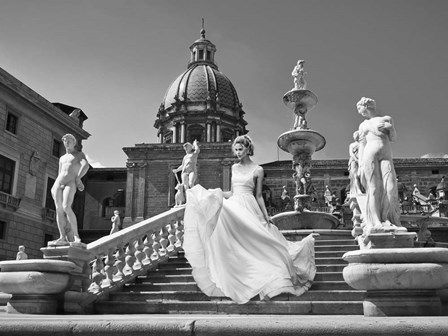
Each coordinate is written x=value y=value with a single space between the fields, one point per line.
x=119 y=263
x=147 y=249
x=139 y=255
x=171 y=237
x=97 y=277
x=129 y=259
x=109 y=269
x=155 y=247
x=179 y=232
x=163 y=241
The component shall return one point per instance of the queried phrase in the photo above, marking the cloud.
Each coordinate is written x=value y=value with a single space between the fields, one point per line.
x=94 y=163
x=435 y=155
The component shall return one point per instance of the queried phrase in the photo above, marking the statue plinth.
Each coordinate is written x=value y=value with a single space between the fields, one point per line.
x=398 y=281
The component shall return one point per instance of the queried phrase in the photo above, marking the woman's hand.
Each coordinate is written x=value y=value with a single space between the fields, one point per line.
x=269 y=219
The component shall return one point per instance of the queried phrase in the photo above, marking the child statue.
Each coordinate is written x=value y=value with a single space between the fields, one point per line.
x=21 y=255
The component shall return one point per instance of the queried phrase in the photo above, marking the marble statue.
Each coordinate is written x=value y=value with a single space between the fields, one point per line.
x=116 y=222
x=73 y=166
x=189 y=165
x=21 y=255
x=285 y=195
x=376 y=169
x=298 y=73
x=179 y=197
x=353 y=165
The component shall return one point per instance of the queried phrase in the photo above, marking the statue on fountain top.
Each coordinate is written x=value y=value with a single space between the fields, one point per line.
x=298 y=73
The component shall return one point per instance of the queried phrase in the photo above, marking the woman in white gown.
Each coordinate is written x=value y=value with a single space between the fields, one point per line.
x=232 y=245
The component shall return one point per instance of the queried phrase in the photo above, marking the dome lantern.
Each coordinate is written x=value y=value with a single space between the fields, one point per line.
x=202 y=51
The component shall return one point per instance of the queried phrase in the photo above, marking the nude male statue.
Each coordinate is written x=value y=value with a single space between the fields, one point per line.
x=73 y=166
x=188 y=166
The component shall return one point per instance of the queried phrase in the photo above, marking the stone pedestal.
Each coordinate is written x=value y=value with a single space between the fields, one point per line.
x=398 y=281
x=80 y=281
x=392 y=239
x=402 y=303
x=36 y=285
x=302 y=202
x=79 y=256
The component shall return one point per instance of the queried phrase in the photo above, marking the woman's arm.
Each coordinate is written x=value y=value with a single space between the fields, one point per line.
x=391 y=128
x=259 y=173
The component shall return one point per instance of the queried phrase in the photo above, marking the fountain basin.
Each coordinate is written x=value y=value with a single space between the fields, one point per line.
x=293 y=220
x=299 y=141
x=35 y=276
x=300 y=98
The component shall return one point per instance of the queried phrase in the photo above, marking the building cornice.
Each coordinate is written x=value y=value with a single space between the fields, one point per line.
x=17 y=87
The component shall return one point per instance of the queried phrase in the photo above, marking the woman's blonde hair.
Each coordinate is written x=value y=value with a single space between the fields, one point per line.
x=246 y=141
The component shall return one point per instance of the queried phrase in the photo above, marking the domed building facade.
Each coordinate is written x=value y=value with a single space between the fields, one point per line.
x=200 y=104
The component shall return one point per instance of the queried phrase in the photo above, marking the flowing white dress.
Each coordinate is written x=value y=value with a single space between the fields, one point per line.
x=234 y=252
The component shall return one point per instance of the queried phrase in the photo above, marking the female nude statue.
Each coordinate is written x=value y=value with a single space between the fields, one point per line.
x=376 y=169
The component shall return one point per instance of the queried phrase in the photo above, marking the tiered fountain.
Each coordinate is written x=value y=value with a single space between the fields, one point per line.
x=301 y=142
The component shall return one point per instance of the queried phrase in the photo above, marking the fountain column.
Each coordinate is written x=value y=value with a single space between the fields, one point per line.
x=301 y=142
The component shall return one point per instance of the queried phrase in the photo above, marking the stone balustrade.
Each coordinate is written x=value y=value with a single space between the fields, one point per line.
x=132 y=251
x=109 y=262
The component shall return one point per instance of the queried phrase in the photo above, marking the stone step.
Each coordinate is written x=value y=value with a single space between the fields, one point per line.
x=330 y=285
x=329 y=248
x=191 y=286
x=329 y=254
x=323 y=234
x=312 y=295
x=155 y=278
x=330 y=260
x=152 y=287
x=187 y=270
x=229 y=307
x=321 y=259
x=347 y=242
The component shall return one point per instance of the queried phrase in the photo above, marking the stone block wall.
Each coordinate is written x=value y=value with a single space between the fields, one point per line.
x=150 y=186
x=38 y=124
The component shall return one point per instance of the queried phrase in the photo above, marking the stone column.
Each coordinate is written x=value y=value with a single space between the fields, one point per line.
x=218 y=132
x=226 y=175
x=174 y=133
x=130 y=180
x=213 y=135
x=141 y=192
x=209 y=131
x=182 y=132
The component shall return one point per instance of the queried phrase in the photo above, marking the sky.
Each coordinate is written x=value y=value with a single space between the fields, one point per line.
x=115 y=59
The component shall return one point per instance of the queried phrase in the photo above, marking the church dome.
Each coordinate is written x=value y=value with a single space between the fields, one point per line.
x=201 y=103
x=199 y=83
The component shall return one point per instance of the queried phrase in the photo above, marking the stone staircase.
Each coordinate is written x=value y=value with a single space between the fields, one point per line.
x=170 y=289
